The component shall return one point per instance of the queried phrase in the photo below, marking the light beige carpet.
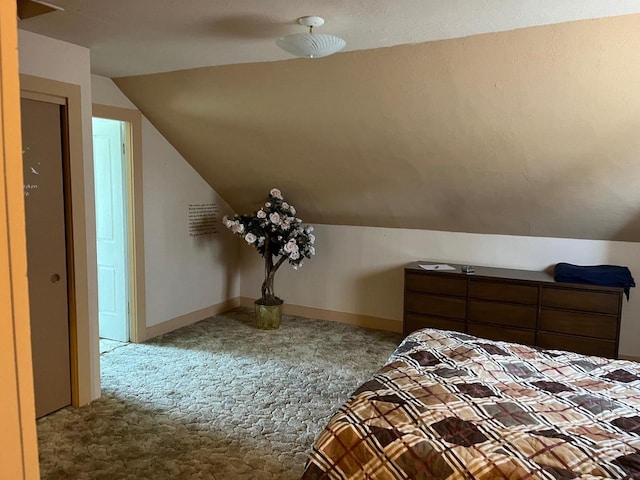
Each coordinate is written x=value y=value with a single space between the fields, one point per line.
x=215 y=400
x=107 y=345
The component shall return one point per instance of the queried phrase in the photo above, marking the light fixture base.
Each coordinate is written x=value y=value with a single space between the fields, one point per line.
x=311 y=21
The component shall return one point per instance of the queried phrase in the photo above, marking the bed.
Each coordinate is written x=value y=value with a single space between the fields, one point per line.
x=448 y=405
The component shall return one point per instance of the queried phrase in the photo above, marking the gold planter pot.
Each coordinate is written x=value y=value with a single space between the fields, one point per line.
x=268 y=317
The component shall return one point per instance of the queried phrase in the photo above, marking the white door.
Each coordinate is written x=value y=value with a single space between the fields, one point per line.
x=111 y=233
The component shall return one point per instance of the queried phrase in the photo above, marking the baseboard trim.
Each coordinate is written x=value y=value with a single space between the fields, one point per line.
x=365 y=321
x=189 y=318
x=629 y=357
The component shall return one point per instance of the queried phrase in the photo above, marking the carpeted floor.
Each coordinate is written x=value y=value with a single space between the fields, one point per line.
x=215 y=400
x=107 y=345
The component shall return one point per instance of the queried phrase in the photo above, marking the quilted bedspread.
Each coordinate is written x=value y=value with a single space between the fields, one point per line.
x=448 y=405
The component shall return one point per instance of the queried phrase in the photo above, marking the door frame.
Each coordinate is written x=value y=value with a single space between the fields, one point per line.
x=134 y=214
x=42 y=89
x=18 y=441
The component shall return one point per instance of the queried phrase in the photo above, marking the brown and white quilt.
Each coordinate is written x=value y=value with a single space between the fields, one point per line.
x=448 y=405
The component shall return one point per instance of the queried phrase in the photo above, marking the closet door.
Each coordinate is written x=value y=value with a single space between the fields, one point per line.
x=42 y=144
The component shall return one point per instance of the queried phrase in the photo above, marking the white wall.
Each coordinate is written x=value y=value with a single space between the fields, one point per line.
x=360 y=269
x=56 y=60
x=183 y=274
x=105 y=92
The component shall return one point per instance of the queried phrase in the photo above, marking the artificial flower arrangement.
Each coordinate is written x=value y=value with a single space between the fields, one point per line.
x=278 y=235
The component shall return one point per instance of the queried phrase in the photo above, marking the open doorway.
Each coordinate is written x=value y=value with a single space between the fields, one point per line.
x=109 y=166
x=118 y=203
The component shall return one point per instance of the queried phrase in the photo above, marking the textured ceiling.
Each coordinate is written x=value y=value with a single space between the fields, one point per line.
x=526 y=132
x=132 y=37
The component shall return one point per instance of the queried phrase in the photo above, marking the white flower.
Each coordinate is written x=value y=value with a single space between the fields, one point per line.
x=261 y=241
x=308 y=229
x=291 y=246
x=276 y=193
x=292 y=210
x=312 y=251
x=250 y=237
x=285 y=224
x=227 y=223
x=237 y=227
x=275 y=218
x=285 y=205
x=312 y=238
x=261 y=214
x=268 y=204
x=294 y=255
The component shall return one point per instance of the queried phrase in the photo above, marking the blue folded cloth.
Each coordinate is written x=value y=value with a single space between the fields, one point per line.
x=604 y=275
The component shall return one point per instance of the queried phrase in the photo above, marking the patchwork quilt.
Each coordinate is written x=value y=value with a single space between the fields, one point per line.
x=450 y=406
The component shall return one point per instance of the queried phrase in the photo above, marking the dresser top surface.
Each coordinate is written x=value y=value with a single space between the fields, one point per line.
x=501 y=273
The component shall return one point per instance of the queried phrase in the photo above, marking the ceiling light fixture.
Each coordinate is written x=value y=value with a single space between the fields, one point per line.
x=311 y=45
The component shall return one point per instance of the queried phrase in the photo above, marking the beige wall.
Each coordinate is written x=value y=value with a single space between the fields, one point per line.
x=56 y=60
x=528 y=132
x=183 y=274
x=360 y=269
x=527 y=140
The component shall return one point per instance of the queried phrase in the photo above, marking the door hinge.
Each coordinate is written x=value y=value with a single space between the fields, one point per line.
x=123 y=149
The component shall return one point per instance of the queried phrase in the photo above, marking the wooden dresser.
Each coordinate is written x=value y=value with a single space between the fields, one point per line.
x=519 y=306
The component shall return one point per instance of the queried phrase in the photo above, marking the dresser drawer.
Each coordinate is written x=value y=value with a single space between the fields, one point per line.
x=491 y=332
x=436 y=283
x=413 y=322
x=584 y=345
x=503 y=314
x=503 y=292
x=451 y=307
x=585 y=324
x=584 y=300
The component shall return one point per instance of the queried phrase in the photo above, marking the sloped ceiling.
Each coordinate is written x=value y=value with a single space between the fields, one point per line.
x=532 y=131
x=528 y=132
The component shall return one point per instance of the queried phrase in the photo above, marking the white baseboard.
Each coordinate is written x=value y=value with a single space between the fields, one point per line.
x=365 y=321
x=189 y=318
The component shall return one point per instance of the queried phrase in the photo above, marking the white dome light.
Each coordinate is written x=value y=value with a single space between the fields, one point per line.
x=311 y=45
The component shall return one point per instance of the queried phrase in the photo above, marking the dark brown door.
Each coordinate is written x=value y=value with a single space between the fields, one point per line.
x=46 y=253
